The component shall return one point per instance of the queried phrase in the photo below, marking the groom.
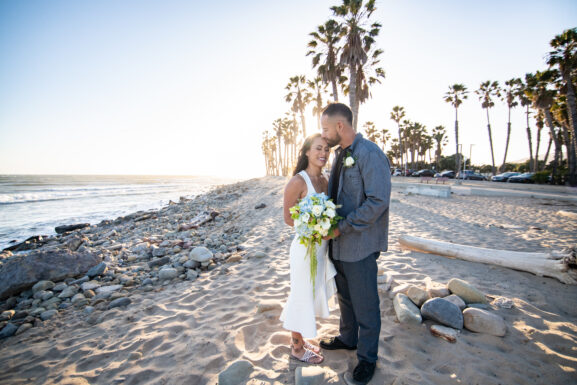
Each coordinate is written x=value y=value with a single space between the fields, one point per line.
x=360 y=182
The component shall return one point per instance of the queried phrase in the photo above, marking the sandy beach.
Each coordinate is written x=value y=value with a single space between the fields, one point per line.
x=188 y=331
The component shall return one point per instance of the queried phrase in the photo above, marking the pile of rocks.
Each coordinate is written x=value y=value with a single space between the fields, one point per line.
x=95 y=268
x=452 y=307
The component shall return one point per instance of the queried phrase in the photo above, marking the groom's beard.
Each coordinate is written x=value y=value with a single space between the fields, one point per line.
x=333 y=142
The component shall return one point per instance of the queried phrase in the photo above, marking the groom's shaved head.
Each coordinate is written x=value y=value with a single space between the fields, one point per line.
x=339 y=109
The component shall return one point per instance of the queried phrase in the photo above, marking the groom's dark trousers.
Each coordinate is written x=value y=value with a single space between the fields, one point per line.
x=360 y=321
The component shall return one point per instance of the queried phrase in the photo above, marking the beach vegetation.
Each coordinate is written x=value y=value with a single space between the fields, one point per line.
x=487 y=92
x=455 y=96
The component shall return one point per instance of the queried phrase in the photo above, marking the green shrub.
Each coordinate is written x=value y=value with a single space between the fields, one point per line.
x=541 y=177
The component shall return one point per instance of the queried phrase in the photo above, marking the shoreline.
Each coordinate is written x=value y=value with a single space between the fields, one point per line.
x=188 y=330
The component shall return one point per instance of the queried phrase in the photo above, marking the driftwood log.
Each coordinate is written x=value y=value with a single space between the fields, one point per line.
x=559 y=265
x=198 y=220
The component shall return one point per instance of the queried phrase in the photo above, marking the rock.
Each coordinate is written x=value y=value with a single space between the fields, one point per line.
x=159 y=262
x=191 y=275
x=443 y=312
x=402 y=288
x=158 y=252
x=200 y=254
x=79 y=299
x=417 y=295
x=80 y=280
x=147 y=281
x=120 y=302
x=22 y=272
x=108 y=289
x=8 y=331
x=503 y=302
x=313 y=375
x=74 y=243
x=7 y=315
x=69 y=292
x=437 y=290
x=236 y=373
x=23 y=328
x=261 y=206
x=444 y=332
x=29 y=244
x=46 y=315
x=456 y=300
x=67 y=228
x=466 y=291
x=258 y=254
x=481 y=321
x=42 y=285
x=167 y=273
x=192 y=264
x=385 y=280
x=479 y=306
x=406 y=310
x=97 y=270
x=234 y=258
x=91 y=285
x=59 y=287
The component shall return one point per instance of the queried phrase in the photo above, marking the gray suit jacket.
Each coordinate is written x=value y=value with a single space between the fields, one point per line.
x=364 y=193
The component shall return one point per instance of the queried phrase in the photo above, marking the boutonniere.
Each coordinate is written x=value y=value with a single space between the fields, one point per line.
x=349 y=160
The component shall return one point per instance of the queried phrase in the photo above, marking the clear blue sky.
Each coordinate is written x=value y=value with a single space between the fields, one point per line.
x=182 y=87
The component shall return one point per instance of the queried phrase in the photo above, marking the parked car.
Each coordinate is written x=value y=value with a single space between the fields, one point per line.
x=523 y=178
x=470 y=175
x=397 y=172
x=424 y=172
x=445 y=174
x=504 y=177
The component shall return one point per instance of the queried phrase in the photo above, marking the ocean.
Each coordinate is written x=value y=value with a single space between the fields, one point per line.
x=35 y=204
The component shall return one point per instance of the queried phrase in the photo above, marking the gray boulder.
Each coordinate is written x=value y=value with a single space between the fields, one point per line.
x=97 y=270
x=443 y=312
x=200 y=254
x=406 y=310
x=466 y=291
x=236 y=373
x=481 y=321
x=22 y=272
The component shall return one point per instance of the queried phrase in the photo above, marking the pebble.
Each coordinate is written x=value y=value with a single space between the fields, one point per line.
x=69 y=292
x=167 y=273
x=42 y=285
x=192 y=264
x=120 y=302
x=482 y=321
x=8 y=331
x=417 y=295
x=443 y=312
x=406 y=310
x=200 y=254
x=456 y=300
x=91 y=285
x=158 y=252
x=436 y=290
x=108 y=289
x=234 y=258
x=236 y=373
x=46 y=315
x=97 y=270
x=159 y=261
x=466 y=291
x=444 y=332
x=191 y=275
x=23 y=328
x=7 y=315
x=147 y=281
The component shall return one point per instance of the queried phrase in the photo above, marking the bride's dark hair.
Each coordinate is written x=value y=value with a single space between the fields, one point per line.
x=303 y=160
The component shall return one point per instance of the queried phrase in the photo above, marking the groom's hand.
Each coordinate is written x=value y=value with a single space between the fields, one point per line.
x=335 y=234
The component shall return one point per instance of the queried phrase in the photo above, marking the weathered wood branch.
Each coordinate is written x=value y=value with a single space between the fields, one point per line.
x=558 y=265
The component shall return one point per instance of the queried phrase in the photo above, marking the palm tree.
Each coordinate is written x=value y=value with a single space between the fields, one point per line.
x=511 y=93
x=542 y=97
x=397 y=115
x=278 y=129
x=440 y=137
x=299 y=96
x=317 y=89
x=564 y=58
x=325 y=49
x=526 y=102
x=371 y=132
x=358 y=49
x=385 y=137
x=486 y=92
x=455 y=96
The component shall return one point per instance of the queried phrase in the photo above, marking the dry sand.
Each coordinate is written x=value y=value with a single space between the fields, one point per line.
x=188 y=332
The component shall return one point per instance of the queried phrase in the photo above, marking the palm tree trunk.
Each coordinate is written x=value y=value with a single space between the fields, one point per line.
x=507 y=142
x=303 y=123
x=572 y=105
x=490 y=142
x=570 y=153
x=549 y=121
x=335 y=91
x=400 y=145
x=457 y=157
x=353 y=94
x=532 y=167
x=547 y=153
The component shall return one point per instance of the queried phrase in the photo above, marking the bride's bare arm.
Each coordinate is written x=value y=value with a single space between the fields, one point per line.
x=294 y=190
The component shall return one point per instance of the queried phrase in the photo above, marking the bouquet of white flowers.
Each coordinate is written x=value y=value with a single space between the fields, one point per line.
x=314 y=217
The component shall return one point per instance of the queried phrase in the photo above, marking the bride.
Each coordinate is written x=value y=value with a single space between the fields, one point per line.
x=302 y=307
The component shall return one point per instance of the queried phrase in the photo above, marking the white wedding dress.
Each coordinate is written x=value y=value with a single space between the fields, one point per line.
x=301 y=308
